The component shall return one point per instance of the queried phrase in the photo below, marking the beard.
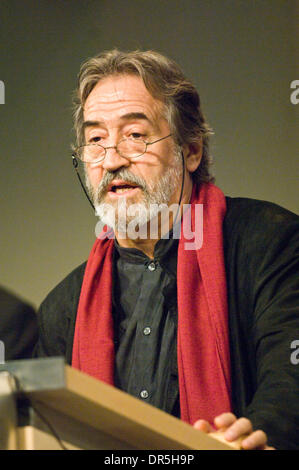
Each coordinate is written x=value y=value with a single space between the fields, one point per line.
x=155 y=197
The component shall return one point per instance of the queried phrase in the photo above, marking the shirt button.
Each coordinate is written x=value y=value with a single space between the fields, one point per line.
x=151 y=266
x=144 y=394
x=147 y=331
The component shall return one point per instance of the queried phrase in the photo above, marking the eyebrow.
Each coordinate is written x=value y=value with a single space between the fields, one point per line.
x=132 y=116
x=129 y=116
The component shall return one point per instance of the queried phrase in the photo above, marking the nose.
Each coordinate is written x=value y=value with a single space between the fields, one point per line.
x=113 y=160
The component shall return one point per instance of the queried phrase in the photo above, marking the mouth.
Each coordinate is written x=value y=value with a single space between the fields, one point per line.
x=121 y=188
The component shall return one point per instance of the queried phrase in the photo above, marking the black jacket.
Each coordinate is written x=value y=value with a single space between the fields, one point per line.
x=261 y=244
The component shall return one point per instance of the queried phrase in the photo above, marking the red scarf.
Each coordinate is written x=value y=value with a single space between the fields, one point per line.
x=203 y=342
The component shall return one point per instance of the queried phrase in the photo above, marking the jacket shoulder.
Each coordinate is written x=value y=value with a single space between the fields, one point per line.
x=57 y=316
x=65 y=294
x=253 y=216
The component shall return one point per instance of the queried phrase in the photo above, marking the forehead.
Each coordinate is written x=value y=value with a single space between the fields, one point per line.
x=114 y=96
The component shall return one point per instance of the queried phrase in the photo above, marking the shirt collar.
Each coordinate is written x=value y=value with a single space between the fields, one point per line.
x=165 y=252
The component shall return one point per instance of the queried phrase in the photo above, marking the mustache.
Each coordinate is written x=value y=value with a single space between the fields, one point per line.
x=122 y=174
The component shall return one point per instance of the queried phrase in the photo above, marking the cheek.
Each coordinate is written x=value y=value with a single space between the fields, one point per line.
x=151 y=169
x=94 y=176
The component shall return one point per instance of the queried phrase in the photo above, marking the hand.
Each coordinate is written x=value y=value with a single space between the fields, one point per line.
x=231 y=429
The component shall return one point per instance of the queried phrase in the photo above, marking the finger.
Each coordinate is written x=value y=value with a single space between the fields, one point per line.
x=257 y=439
x=239 y=427
x=203 y=425
x=224 y=420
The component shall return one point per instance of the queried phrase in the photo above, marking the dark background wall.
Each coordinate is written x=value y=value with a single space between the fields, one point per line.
x=242 y=56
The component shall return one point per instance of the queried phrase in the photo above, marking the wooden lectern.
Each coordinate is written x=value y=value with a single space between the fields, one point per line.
x=47 y=405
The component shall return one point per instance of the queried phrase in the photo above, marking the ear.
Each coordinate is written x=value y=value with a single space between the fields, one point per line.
x=193 y=155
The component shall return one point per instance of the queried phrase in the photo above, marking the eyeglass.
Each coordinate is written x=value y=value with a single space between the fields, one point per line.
x=127 y=148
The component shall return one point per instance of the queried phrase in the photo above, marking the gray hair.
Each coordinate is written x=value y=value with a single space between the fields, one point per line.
x=164 y=79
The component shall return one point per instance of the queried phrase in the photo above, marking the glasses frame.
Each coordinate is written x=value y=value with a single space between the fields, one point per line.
x=76 y=151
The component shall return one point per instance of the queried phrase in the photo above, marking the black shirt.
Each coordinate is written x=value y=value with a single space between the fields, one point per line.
x=145 y=319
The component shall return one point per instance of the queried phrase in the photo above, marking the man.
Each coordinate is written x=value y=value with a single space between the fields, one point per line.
x=198 y=325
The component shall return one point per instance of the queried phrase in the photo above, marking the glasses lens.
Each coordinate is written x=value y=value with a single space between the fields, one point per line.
x=91 y=153
x=131 y=148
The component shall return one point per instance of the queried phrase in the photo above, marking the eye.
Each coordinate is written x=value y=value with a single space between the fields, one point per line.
x=94 y=140
x=137 y=136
